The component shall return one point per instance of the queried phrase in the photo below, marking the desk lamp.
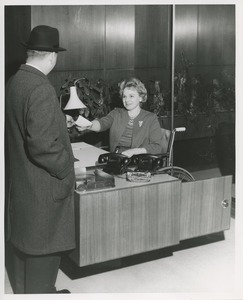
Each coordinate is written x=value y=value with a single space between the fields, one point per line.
x=74 y=102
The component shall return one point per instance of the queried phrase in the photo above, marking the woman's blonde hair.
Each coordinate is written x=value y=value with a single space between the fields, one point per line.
x=137 y=85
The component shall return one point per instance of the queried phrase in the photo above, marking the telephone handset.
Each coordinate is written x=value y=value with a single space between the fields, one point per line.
x=117 y=163
x=146 y=162
x=103 y=158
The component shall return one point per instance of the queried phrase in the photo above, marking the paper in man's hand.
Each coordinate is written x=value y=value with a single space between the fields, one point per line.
x=82 y=122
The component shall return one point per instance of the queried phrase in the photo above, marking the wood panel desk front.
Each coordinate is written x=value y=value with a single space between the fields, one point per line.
x=132 y=218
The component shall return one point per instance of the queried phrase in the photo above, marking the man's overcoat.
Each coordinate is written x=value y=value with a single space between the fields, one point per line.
x=39 y=166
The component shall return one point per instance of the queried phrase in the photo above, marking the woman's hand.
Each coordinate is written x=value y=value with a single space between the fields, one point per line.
x=95 y=126
x=134 y=151
x=82 y=128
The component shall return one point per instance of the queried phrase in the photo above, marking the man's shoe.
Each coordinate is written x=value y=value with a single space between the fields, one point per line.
x=65 y=291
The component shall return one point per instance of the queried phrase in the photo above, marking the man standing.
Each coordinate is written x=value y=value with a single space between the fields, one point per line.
x=39 y=169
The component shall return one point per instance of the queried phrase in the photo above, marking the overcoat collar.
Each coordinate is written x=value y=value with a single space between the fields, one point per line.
x=31 y=69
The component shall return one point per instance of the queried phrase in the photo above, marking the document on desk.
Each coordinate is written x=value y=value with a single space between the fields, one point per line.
x=80 y=145
x=87 y=155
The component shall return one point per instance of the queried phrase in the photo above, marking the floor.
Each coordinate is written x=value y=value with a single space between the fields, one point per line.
x=201 y=265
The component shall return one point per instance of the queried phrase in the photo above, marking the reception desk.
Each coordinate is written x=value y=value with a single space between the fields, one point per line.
x=133 y=218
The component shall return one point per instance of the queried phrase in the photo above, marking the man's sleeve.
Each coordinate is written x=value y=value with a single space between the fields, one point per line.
x=44 y=143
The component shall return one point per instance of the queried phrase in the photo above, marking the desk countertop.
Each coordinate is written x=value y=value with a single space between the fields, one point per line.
x=122 y=183
x=87 y=155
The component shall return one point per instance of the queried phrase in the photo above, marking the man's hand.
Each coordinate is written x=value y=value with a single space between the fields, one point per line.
x=70 y=121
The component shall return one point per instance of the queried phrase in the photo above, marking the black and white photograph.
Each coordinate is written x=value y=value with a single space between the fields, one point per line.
x=121 y=159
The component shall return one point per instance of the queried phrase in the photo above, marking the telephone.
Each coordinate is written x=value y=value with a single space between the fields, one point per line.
x=103 y=158
x=146 y=162
x=116 y=163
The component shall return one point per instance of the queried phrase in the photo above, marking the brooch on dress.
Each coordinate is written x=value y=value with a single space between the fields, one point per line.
x=140 y=123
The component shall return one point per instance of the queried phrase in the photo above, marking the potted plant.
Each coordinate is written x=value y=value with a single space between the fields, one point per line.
x=97 y=97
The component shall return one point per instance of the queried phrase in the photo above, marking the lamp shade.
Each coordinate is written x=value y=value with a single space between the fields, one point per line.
x=74 y=102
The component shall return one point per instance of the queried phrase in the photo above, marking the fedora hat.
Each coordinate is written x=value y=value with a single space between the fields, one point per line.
x=43 y=38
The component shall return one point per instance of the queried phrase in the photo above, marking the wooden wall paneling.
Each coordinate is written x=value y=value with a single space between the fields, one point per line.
x=186 y=33
x=147 y=75
x=216 y=44
x=152 y=37
x=208 y=72
x=114 y=76
x=17 y=30
x=202 y=211
x=58 y=78
x=119 y=223
x=82 y=30
x=229 y=34
x=120 y=32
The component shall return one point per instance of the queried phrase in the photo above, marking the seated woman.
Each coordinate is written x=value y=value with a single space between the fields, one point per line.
x=133 y=130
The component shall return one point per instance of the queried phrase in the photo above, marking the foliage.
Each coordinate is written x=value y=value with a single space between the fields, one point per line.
x=194 y=94
x=159 y=100
x=96 y=95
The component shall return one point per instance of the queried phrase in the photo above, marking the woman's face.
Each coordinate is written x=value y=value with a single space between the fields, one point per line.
x=131 y=99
